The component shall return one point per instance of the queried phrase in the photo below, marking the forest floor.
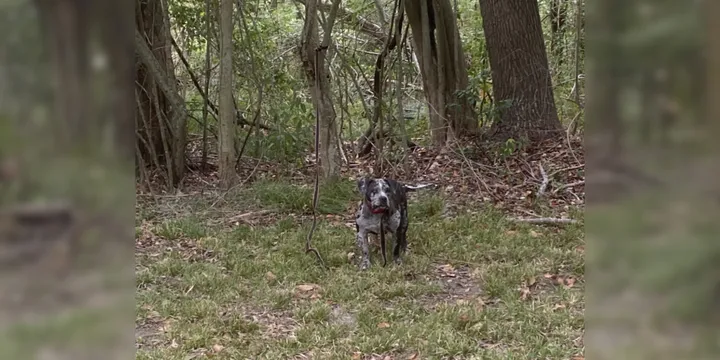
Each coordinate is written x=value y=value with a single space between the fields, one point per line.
x=225 y=275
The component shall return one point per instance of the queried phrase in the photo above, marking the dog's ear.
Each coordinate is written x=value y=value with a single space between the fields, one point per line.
x=362 y=184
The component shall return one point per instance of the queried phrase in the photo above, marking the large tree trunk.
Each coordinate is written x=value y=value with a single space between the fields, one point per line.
x=226 y=143
x=443 y=68
x=520 y=71
x=64 y=25
x=160 y=112
x=711 y=108
x=319 y=83
x=79 y=114
x=603 y=122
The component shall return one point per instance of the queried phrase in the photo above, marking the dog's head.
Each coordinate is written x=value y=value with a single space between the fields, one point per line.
x=376 y=194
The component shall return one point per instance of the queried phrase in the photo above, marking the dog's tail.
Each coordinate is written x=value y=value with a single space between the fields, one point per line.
x=417 y=187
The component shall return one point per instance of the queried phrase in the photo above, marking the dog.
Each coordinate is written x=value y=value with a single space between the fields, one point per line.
x=384 y=206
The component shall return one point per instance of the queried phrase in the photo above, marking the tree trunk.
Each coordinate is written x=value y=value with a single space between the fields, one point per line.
x=226 y=136
x=160 y=111
x=319 y=83
x=79 y=115
x=520 y=72
x=711 y=110
x=558 y=17
x=179 y=124
x=603 y=121
x=443 y=68
x=64 y=26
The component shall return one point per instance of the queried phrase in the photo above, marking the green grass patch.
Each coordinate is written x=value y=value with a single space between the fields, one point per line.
x=285 y=197
x=463 y=290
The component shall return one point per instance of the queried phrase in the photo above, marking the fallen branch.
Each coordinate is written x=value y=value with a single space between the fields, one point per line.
x=548 y=221
x=37 y=211
x=249 y=214
x=573 y=184
x=552 y=174
x=545 y=181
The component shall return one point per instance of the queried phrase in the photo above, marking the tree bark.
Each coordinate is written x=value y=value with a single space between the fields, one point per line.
x=558 y=18
x=444 y=71
x=313 y=61
x=602 y=119
x=520 y=72
x=64 y=26
x=179 y=123
x=79 y=114
x=226 y=136
x=153 y=76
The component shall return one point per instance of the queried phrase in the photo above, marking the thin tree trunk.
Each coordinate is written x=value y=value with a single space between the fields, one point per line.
x=558 y=16
x=226 y=143
x=179 y=124
x=313 y=59
x=208 y=73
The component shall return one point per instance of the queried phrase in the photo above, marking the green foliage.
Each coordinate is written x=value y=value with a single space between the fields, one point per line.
x=272 y=40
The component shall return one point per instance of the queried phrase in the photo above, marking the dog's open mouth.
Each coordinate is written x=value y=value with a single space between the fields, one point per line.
x=378 y=209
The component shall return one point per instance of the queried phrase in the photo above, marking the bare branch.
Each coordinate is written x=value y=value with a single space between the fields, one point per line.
x=363 y=25
x=577 y=183
x=546 y=221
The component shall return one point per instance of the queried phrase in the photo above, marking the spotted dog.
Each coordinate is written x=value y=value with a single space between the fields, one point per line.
x=386 y=200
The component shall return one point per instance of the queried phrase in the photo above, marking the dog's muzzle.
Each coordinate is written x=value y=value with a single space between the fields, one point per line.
x=378 y=209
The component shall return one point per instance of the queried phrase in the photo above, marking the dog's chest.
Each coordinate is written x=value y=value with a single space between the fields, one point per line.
x=371 y=223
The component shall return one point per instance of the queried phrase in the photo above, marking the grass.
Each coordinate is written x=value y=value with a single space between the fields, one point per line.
x=472 y=286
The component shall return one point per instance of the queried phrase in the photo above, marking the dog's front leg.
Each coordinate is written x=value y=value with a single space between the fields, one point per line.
x=362 y=244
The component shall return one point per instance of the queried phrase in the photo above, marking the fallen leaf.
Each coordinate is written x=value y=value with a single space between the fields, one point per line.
x=479 y=306
x=524 y=293
x=307 y=287
x=413 y=356
x=558 y=307
x=533 y=233
x=578 y=357
x=569 y=282
x=174 y=344
x=532 y=281
x=270 y=277
x=383 y=325
x=356 y=355
x=448 y=270
x=217 y=348
x=350 y=256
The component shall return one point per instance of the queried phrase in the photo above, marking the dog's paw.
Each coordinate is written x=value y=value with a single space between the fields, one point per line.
x=365 y=264
x=398 y=261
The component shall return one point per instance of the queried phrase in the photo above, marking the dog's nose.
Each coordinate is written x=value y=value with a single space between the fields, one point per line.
x=384 y=200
